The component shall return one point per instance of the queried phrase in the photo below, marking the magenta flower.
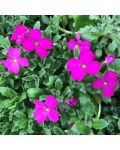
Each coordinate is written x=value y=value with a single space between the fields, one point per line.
x=19 y=34
x=72 y=101
x=14 y=61
x=109 y=59
x=37 y=43
x=47 y=109
x=70 y=125
x=107 y=83
x=80 y=67
x=82 y=45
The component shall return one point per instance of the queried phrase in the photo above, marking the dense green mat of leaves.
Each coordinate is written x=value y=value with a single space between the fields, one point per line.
x=93 y=114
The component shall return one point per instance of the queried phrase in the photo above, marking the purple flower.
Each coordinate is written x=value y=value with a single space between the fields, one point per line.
x=82 y=45
x=37 y=43
x=72 y=101
x=109 y=59
x=47 y=109
x=85 y=64
x=107 y=83
x=19 y=34
x=14 y=61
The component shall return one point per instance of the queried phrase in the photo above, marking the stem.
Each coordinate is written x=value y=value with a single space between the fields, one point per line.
x=99 y=111
x=103 y=64
x=66 y=31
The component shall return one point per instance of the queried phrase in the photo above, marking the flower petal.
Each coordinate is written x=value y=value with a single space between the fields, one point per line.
x=72 y=64
x=42 y=53
x=53 y=115
x=98 y=83
x=14 y=68
x=35 y=34
x=93 y=68
x=84 y=45
x=46 y=43
x=40 y=115
x=108 y=91
x=110 y=76
x=39 y=104
x=7 y=62
x=78 y=74
x=72 y=44
x=51 y=102
x=86 y=57
x=28 y=44
x=15 y=33
x=14 y=53
x=23 y=62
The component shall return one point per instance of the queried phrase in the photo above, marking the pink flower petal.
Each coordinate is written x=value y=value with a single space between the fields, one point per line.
x=53 y=115
x=15 y=32
x=28 y=44
x=39 y=105
x=108 y=91
x=35 y=34
x=78 y=74
x=78 y=36
x=46 y=43
x=42 y=53
x=14 y=68
x=98 y=83
x=19 y=33
x=14 y=53
x=93 y=68
x=40 y=115
x=72 y=64
x=51 y=102
x=7 y=62
x=71 y=44
x=113 y=83
x=110 y=75
x=23 y=62
x=86 y=57
x=84 y=46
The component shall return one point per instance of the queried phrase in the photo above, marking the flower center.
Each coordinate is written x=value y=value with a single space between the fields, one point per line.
x=15 y=60
x=84 y=66
x=36 y=44
x=47 y=109
x=19 y=37
x=105 y=83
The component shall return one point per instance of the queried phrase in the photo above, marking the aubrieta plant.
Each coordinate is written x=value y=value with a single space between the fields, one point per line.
x=59 y=75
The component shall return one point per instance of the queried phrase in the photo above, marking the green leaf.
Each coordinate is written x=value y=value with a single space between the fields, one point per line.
x=64 y=119
x=81 y=21
x=45 y=19
x=87 y=106
x=5 y=91
x=46 y=131
x=118 y=124
x=76 y=52
x=99 y=53
x=99 y=124
x=35 y=92
x=78 y=127
x=58 y=131
x=37 y=25
x=58 y=84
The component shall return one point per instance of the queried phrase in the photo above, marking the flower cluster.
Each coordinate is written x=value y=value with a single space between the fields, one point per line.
x=78 y=67
x=31 y=40
x=85 y=64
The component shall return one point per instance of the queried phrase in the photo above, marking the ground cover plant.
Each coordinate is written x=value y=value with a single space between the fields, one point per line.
x=59 y=75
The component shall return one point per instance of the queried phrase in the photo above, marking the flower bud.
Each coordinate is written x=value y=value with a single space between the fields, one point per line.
x=78 y=35
x=109 y=59
x=72 y=101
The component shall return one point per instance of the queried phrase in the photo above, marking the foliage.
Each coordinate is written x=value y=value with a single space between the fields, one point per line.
x=49 y=76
